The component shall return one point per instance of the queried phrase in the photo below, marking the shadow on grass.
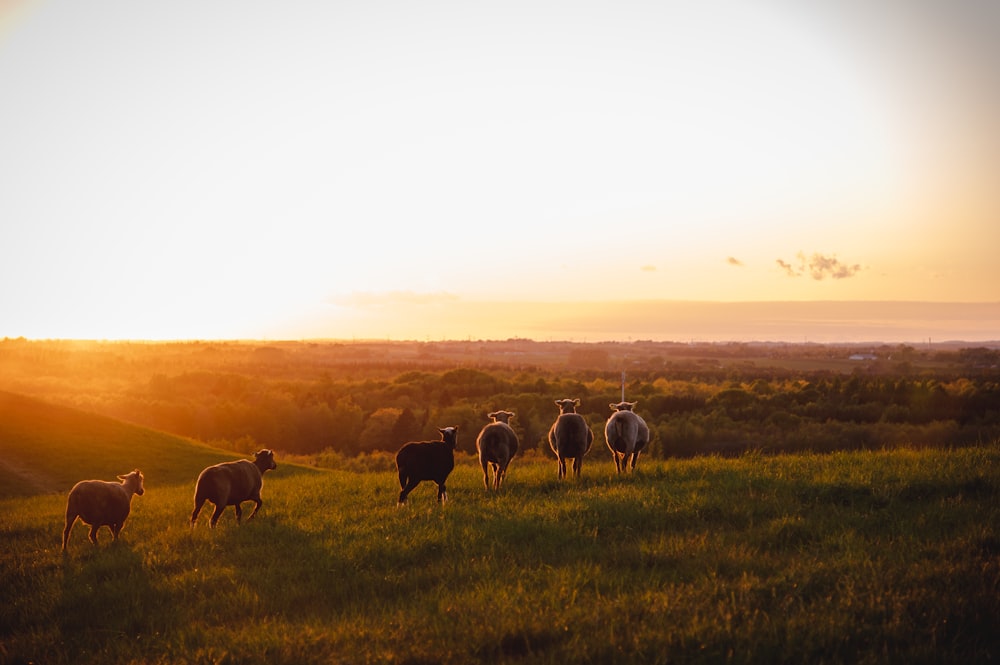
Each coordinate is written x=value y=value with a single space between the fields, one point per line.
x=109 y=603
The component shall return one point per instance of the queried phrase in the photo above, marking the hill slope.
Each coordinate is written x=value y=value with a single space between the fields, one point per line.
x=48 y=448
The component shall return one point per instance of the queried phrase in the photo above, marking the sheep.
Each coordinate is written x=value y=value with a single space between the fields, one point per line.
x=570 y=437
x=101 y=503
x=427 y=460
x=232 y=483
x=626 y=434
x=497 y=443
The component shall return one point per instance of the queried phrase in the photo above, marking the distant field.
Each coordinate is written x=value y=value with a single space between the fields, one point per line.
x=864 y=557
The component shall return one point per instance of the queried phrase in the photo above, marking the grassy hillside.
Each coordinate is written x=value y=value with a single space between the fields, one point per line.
x=48 y=448
x=865 y=557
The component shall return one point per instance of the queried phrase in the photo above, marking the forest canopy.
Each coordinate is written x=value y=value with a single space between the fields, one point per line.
x=353 y=398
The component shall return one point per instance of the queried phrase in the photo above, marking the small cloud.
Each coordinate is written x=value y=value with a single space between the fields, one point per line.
x=648 y=268
x=819 y=267
x=733 y=261
x=390 y=298
x=788 y=268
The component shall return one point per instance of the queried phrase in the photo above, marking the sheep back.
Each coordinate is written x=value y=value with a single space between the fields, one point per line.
x=497 y=442
x=626 y=432
x=427 y=460
x=99 y=502
x=570 y=436
x=232 y=483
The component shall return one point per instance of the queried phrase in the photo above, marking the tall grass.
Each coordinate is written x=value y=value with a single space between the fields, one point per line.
x=847 y=558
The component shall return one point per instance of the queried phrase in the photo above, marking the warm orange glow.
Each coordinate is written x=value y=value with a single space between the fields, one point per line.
x=392 y=173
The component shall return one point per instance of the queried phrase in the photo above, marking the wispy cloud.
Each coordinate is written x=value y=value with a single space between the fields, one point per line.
x=390 y=298
x=819 y=267
x=648 y=268
x=733 y=261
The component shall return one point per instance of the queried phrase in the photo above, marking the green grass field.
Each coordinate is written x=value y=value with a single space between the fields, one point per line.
x=846 y=558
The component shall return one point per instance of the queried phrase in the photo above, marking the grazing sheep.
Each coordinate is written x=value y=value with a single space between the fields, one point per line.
x=627 y=434
x=497 y=443
x=232 y=483
x=570 y=437
x=427 y=460
x=101 y=503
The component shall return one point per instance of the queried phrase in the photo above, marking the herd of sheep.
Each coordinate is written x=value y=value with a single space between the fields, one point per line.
x=102 y=503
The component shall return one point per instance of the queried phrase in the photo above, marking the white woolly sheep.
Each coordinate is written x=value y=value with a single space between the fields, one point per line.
x=497 y=444
x=427 y=460
x=570 y=437
x=626 y=434
x=101 y=503
x=232 y=483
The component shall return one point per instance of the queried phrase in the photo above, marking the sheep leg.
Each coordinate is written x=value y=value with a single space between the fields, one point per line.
x=255 y=508
x=577 y=466
x=407 y=488
x=442 y=492
x=219 y=507
x=93 y=533
x=70 y=521
x=239 y=513
x=115 y=530
x=486 y=474
x=197 y=509
x=562 y=467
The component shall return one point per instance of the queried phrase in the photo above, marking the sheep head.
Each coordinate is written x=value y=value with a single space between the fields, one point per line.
x=450 y=436
x=623 y=406
x=133 y=481
x=501 y=416
x=264 y=459
x=567 y=405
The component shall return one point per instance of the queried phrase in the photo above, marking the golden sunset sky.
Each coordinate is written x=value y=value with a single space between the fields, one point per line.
x=456 y=169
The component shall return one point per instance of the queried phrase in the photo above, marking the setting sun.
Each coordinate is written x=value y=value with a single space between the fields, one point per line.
x=393 y=170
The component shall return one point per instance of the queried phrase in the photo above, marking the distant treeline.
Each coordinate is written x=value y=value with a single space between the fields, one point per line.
x=313 y=398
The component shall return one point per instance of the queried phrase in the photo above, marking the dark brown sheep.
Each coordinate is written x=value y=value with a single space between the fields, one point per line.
x=570 y=437
x=626 y=434
x=232 y=483
x=497 y=444
x=427 y=460
x=101 y=503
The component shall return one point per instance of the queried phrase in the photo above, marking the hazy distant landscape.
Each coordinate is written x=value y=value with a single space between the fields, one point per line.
x=442 y=317
x=367 y=397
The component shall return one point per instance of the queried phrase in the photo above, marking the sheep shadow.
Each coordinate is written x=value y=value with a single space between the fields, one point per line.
x=292 y=573
x=108 y=594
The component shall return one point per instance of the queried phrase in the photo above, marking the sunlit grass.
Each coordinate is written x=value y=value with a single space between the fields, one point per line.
x=854 y=557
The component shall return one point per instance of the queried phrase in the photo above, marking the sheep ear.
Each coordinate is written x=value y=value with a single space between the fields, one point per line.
x=577 y=401
x=122 y=477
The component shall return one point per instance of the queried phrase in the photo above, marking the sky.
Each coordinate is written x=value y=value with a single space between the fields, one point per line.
x=456 y=169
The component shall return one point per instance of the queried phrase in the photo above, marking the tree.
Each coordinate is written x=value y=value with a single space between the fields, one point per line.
x=378 y=431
